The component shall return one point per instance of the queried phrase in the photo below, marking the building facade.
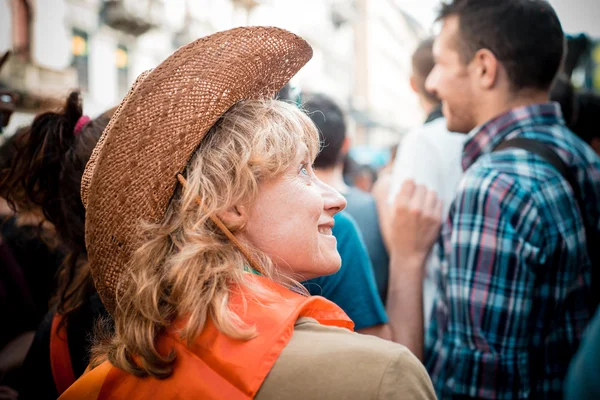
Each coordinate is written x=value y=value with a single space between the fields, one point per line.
x=361 y=51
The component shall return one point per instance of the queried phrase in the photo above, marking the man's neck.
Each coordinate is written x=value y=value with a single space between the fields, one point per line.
x=334 y=177
x=523 y=99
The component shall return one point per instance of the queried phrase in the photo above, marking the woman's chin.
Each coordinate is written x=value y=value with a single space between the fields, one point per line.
x=331 y=268
x=323 y=270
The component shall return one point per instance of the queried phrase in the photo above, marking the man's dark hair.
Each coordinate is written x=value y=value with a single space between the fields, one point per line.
x=422 y=64
x=524 y=35
x=329 y=119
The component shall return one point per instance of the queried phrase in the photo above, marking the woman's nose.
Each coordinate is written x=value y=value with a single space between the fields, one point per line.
x=334 y=201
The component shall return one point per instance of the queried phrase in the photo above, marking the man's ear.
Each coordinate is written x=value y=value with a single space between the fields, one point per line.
x=487 y=68
x=234 y=217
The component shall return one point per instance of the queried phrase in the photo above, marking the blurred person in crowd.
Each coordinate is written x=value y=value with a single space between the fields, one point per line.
x=17 y=305
x=49 y=160
x=429 y=155
x=581 y=110
x=196 y=245
x=513 y=292
x=349 y=169
x=364 y=178
x=582 y=380
x=330 y=121
x=29 y=258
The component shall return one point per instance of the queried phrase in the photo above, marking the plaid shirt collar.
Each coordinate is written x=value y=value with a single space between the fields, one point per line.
x=485 y=138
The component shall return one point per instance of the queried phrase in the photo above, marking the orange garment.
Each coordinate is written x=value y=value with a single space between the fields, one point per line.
x=60 y=357
x=216 y=366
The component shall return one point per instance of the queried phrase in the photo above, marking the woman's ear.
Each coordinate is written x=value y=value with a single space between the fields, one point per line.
x=234 y=217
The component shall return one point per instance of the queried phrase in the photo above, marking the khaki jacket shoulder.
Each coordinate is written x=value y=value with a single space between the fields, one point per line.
x=323 y=362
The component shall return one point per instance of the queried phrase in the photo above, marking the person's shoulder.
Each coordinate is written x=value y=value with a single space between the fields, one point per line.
x=523 y=169
x=355 y=366
x=513 y=166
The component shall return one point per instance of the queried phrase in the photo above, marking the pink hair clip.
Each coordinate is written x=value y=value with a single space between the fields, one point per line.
x=84 y=119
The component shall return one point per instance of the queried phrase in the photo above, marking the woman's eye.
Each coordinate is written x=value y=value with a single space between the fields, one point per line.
x=304 y=170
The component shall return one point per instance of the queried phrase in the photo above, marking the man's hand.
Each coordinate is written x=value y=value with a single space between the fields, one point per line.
x=416 y=221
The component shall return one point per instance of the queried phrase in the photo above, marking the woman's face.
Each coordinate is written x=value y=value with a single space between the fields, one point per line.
x=291 y=221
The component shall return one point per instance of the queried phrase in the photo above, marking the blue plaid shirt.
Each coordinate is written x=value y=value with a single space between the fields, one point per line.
x=512 y=300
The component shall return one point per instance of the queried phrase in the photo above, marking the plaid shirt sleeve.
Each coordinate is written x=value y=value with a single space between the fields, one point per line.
x=496 y=239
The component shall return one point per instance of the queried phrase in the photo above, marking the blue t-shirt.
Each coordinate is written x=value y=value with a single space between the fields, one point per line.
x=353 y=286
x=361 y=206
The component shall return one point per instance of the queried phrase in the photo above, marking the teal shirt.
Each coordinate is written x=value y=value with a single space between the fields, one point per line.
x=353 y=287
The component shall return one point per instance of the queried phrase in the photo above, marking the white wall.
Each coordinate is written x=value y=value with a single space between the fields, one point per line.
x=579 y=16
x=102 y=69
x=51 y=44
x=150 y=49
x=424 y=11
x=390 y=47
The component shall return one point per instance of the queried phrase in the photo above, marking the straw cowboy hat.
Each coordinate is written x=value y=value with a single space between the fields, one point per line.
x=132 y=173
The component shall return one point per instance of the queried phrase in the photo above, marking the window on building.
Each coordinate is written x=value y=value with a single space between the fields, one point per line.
x=79 y=44
x=122 y=64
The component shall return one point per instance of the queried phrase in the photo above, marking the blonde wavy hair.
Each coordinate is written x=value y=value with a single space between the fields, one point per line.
x=186 y=266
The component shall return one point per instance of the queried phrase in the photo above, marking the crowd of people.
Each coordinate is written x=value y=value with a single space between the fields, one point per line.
x=203 y=239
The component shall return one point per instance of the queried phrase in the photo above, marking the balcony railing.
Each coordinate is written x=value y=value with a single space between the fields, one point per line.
x=135 y=17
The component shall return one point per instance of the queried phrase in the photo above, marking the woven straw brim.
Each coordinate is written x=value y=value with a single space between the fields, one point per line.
x=131 y=175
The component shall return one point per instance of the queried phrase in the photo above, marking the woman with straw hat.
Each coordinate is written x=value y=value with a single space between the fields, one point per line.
x=202 y=214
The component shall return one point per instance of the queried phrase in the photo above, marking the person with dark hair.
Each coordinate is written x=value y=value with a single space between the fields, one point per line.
x=328 y=165
x=364 y=178
x=581 y=110
x=29 y=259
x=45 y=174
x=513 y=294
x=429 y=155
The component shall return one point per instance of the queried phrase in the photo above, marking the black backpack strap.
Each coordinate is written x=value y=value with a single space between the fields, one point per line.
x=546 y=152
x=591 y=234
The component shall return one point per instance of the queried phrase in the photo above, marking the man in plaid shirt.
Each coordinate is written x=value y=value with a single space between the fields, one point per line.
x=513 y=293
